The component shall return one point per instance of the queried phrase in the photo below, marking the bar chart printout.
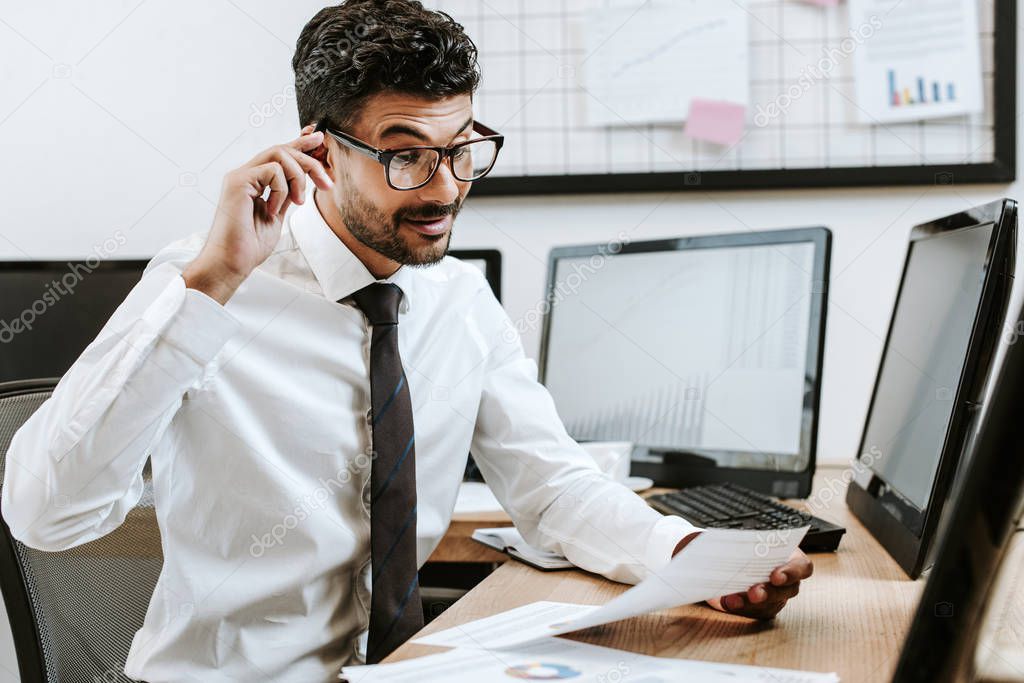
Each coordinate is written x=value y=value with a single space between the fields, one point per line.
x=902 y=96
x=917 y=61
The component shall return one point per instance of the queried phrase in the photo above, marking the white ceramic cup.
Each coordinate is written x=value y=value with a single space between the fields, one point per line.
x=612 y=457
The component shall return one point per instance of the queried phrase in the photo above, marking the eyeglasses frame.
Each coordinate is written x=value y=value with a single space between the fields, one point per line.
x=385 y=156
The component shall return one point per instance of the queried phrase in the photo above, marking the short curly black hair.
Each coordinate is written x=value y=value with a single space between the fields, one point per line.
x=349 y=52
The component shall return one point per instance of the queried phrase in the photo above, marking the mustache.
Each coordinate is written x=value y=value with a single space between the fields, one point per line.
x=427 y=212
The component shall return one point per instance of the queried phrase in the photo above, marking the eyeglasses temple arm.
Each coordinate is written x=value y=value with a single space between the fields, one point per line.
x=350 y=142
x=483 y=129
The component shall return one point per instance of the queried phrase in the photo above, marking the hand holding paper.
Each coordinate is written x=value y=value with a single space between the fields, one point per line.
x=718 y=562
x=765 y=600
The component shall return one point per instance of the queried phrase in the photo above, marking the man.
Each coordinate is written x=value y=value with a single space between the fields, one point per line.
x=308 y=397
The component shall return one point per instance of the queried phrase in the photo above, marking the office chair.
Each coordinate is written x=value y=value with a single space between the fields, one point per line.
x=74 y=613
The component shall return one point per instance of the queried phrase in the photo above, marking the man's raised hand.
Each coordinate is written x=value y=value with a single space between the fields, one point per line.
x=248 y=221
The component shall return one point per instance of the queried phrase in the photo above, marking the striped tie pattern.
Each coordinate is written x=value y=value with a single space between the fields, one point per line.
x=396 y=613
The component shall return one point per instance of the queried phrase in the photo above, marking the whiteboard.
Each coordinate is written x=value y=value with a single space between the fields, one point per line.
x=534 y=61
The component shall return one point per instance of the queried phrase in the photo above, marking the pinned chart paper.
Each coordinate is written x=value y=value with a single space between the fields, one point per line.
x=646 y=64
x=559 y=659
x=716 y=563
x=916 y=60
x=716 y=121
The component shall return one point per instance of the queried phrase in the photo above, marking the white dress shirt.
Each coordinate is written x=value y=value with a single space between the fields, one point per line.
x=255 y=415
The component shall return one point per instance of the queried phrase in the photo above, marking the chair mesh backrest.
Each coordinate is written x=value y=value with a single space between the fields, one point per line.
x=90 y=600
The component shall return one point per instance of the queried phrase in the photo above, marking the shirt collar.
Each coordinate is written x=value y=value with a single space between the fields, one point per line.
x=338 y=271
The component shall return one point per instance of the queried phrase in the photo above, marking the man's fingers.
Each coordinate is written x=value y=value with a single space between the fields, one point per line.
x=314 y=168
x=762 y=593
x=798 y=568
x=272 y=175
x=303 y=143
x=765 y=600
x=758 y=596
x=295 y=174
x=307 y=141
x=293 y=171
x=297 y=165
x=739 y=605
x=734 y=602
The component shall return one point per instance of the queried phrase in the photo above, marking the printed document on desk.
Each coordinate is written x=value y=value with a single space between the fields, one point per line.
x=560 y=659
x=716 y=563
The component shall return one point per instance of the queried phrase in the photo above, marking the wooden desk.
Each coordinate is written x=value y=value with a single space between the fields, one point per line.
x=851 y=616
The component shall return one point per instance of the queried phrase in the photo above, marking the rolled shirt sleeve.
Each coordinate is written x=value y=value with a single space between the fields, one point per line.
x=550 y=486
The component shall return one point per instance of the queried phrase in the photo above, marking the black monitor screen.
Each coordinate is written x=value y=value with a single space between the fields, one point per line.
x=50 y=312
x=924 y=359
x=706 y=345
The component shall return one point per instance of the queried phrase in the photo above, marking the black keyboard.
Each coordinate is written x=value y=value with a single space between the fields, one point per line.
x=728 y=506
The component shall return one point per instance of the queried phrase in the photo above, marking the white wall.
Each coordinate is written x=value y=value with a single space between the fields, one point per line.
x=124 y=115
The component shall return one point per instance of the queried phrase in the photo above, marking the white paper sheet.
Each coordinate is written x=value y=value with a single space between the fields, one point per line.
x=475 y=496
x=915 y=60
x=507 y=626
x=559 y=659
x=645 y=64
x=716 y=563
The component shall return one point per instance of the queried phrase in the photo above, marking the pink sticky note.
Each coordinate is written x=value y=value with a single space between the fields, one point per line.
x=716 y=121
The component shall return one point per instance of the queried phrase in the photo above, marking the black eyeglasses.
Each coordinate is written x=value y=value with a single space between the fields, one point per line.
x=410 y=168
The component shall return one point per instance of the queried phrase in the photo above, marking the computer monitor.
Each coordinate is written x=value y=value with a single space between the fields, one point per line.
x=489 y=263
x=955 y=288
x=704 y=351
x=982 y=515
x=51 y=310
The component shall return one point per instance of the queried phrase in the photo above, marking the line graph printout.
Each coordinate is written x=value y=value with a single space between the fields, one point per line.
x=649 y=63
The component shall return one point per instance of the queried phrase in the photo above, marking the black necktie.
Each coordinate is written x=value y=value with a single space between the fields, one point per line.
x=396 y=613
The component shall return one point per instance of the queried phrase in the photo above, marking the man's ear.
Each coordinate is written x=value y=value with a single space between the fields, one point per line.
x=322 y=154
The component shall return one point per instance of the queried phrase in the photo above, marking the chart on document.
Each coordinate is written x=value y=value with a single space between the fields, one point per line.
x=924 y=62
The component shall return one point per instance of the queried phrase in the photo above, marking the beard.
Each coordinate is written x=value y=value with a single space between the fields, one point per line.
x=382 y=233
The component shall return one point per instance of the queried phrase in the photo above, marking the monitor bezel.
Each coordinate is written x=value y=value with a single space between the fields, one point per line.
x=793 y=484
x=869 y=497
x=57 y=267
x=983 y=513
x=492 y=265
x=26 y=265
